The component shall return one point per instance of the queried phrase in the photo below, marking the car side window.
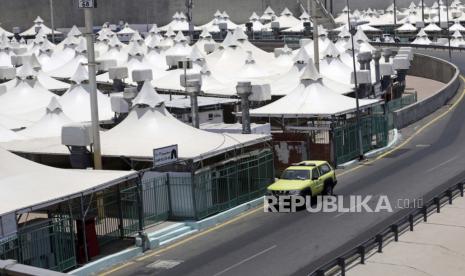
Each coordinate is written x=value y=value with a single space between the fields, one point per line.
x=315 y=173
x=324 y=169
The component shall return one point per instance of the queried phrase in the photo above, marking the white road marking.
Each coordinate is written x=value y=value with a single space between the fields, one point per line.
x=442 y=164
x=163 y=264
x=245 y=260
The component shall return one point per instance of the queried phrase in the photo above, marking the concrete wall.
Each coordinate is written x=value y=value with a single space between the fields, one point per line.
x=22 y=12
x=431 y=68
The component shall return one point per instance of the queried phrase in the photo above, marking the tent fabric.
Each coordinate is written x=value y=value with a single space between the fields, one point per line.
x=310 y=99
x=26 y=184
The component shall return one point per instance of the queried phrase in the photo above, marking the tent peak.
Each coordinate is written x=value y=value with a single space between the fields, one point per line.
x=80 y=75
x=54 y=105
x=310 y=72
x=148 y=96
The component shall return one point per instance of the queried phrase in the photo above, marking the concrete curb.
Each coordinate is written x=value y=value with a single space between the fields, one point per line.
x=154 y=238
x=108 y=261
x=224 y=216
x=376 y=152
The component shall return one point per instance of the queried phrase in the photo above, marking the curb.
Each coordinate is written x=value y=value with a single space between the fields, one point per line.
x=108 y=261
x=154 y=238
x=376 y=152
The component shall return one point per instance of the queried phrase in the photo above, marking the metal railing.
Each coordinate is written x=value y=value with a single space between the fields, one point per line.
x=391 y=232
x=417 y=46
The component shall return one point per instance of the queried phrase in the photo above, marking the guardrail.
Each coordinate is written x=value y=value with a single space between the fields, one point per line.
x=389 y=233
x=430 y=68
x=417 y=46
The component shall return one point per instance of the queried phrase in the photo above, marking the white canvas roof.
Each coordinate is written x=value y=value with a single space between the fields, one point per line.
x=7 y=135
x=50 y=124
x=432 y=27
x=26 y=184
x=28 y=95
x=457 y=27
x=310 y=99
x=407 y=27
x=38 y=23
x=127 y=30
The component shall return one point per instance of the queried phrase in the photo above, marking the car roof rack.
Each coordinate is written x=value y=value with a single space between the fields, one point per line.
x=305 y=163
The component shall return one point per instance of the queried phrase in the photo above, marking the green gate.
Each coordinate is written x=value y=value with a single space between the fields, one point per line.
x=48 y=244
x=374 y=135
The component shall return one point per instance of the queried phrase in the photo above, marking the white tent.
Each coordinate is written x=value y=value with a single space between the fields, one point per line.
x=432 y=27
x=286 y=20
x=268 y=15
x=68 y=69
x=50 y=124
x=76 y=101
x=457 y=27
x=26 y=184
x=457 y=40
x=155 y=128
x=311 y=99
x=7 y=135
x=178 y=24
x=406 y=28
x=38 y=25
x=27 y=95
x=422 y=38
x=127 y=30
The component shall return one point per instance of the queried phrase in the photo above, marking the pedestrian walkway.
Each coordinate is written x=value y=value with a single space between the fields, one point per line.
x=436 y=247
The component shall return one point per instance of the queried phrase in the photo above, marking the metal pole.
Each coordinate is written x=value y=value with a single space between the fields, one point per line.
x=83 y=229
x=357 y=104
x=439 y=12
x=189 y=4
x=93 y=88
x=52 y=20
x=395 y=21
x=423 y=11
x=448 y=30
x=316 y=51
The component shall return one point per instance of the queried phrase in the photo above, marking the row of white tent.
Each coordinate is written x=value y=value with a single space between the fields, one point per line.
x=27 y=101
x=435 y=13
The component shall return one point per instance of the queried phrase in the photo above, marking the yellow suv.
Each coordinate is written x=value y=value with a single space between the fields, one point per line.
x=307 y=178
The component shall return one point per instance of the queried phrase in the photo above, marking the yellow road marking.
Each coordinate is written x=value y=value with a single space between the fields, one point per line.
x=176 y=244
x=116 y=269
x=451 y=108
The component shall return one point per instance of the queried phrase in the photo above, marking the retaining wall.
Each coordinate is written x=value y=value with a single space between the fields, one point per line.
x=431 y=68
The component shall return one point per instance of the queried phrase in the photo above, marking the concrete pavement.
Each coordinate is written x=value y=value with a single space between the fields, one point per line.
x=435 y=247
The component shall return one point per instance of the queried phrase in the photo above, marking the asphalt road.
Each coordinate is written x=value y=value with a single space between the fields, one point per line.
x=297 y=243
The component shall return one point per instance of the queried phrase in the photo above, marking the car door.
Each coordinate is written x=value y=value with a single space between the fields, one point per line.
x=325 y=172
x=317 y=182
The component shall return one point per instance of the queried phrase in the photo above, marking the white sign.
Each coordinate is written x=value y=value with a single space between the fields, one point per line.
x=166 y=155
x=87 y=4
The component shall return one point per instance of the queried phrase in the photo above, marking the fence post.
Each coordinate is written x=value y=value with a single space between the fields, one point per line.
x=438 y=204
x=140 y=207
x=342 y=264
x=120 y=211
x=460 y=185
x=83 y=229
x=395 y=229
x=449 y=195
x=379 y=240
x=410 y=219
x=361 y=250
x=194 y=198
x=168 y=187
x=425 y=213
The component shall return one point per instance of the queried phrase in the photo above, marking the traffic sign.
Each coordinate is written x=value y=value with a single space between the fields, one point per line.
x=165 y=156
x=87 y=4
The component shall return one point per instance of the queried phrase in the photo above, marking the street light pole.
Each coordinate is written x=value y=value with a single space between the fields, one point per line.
x=316 y=48
x=52 y=20
x=93 y=88
x=448 y=30
x=189 y=4
x=395 y=21
x=357 y=104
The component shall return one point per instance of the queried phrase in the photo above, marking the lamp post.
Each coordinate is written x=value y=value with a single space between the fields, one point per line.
x=357 y=113
x=189 y=5
x=52 y=20
x=395 y=20
x=448 y=30
x=316 y=51
x=88 y=16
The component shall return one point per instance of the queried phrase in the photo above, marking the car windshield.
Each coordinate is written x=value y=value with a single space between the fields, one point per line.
x=296 y=175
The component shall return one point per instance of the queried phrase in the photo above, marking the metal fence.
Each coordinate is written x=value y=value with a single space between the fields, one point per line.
x=394 y=105
x=374 y=135
x=46 y=244
x=217 y=189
